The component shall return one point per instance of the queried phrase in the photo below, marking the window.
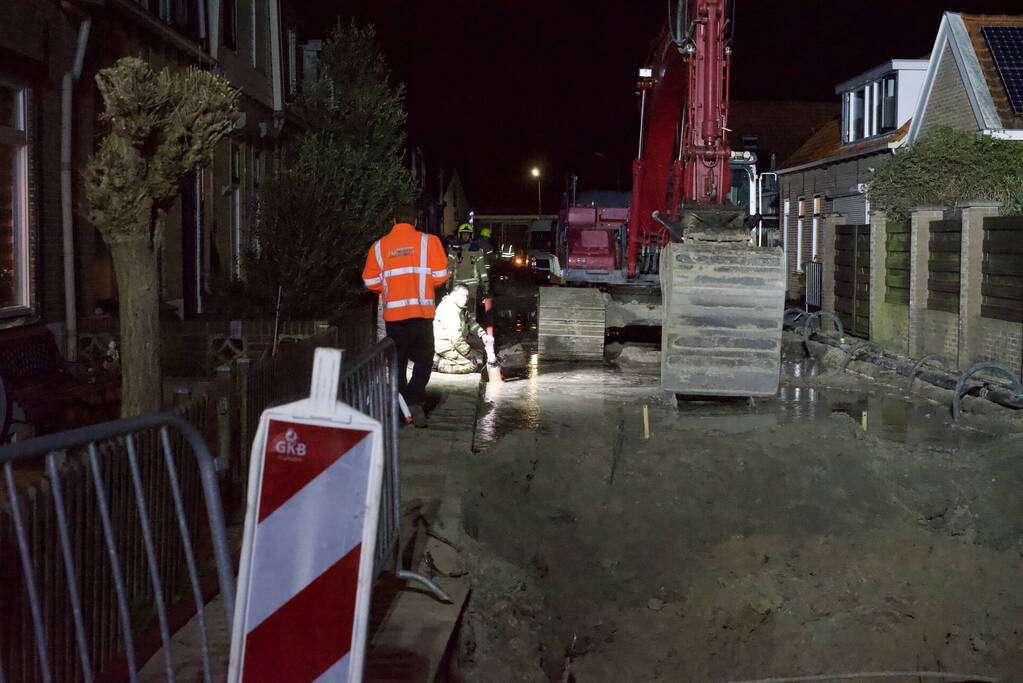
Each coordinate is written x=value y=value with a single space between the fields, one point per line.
x=261 y=35
x=14 y=230
x=230 y=19
x=889 y=104
x=801 y=207
x=183 y=15
x=859 y=99
x=871 y=110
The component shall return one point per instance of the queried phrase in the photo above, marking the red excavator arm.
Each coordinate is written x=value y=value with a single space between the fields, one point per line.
x=683 y=148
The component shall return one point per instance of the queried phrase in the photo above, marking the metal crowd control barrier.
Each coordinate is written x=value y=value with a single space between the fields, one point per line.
x=814 y=271
x=369 y=383
x=92 y=572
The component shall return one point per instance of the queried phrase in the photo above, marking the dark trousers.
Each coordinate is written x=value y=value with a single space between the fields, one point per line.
x=413 y=339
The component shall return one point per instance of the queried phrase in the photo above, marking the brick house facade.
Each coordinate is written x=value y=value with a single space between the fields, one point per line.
x=258 y=45
x=826 y=177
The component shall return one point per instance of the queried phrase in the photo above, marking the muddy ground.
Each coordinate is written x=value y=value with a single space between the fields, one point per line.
x=837 y=527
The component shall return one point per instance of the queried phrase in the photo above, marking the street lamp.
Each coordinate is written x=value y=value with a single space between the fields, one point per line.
x=539 y=204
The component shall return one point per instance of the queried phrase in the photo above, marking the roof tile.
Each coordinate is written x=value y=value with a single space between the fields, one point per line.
x=827 y=143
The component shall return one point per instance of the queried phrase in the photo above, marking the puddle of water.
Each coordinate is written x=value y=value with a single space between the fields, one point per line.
x=569 y=396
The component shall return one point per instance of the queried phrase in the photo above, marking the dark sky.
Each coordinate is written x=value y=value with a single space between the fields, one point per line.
x=498 y=86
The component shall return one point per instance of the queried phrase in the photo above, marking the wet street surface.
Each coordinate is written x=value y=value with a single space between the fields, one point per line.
x=836 y=527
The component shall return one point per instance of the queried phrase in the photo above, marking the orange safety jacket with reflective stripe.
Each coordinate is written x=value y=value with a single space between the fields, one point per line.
x=404 y=266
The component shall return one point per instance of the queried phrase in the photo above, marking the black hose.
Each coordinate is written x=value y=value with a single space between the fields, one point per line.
x=942 y=380
x=974 y=369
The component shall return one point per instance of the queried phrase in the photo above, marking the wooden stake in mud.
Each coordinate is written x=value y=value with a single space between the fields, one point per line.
x=646 y=421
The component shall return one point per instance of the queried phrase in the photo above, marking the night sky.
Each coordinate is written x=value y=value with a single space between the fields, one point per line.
x=498 y=86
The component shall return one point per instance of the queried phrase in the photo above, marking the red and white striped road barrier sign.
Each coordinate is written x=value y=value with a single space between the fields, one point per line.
x=306 y=568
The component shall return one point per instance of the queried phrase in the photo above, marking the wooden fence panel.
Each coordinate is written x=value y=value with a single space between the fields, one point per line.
x=898 y=270
x=1002 y=283
x=943 y=266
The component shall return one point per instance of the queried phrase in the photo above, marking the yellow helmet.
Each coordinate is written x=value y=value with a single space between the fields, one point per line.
x=485 y=232
x=464 y=227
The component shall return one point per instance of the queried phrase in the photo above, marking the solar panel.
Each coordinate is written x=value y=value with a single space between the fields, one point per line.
x=1006 y=45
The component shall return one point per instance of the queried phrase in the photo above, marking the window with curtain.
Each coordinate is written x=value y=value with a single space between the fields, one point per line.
x=14 y=229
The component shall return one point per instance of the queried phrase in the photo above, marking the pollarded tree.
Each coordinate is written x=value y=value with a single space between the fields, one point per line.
x=162 y=126
x=336 y=188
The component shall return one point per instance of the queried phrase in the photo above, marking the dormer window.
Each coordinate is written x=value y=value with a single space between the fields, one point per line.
x=870 y=109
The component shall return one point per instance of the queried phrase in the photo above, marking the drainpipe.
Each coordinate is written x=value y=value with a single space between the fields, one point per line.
x=66 y=199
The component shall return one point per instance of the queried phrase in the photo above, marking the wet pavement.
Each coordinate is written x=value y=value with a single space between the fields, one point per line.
x=542 y=396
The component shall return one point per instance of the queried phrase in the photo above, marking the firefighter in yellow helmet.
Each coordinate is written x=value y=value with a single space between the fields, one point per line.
x=467 y=262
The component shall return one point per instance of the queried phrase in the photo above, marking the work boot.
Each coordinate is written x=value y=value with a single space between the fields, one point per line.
x=418 y=416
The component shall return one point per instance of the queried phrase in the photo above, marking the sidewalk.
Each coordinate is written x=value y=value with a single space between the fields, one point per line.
x=409 y=628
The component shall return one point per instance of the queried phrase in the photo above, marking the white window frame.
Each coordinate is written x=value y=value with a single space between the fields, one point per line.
x=800 y=208
x=786 y=206
x=818 y=207
x=17 y=136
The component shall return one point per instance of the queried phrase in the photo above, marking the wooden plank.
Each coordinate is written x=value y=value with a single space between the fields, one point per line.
x=897 y=261
x=944 y=264
x=943 y=286
x=1007 y=292
x=1003 y=264
x=1014 y=315
x=1004 y=223
x=899 y=242
x=900 y=279
x=1003 y=242
x=896 y=296
x=946 y=226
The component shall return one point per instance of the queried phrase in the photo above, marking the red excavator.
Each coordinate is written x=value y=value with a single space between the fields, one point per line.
x=682 y=251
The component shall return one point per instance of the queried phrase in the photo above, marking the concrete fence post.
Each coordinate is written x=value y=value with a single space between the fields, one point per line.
x=878 y=238
x=920 y=218
x=827 y=257
x=971 y=277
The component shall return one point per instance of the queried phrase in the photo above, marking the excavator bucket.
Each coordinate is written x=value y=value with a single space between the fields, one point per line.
x=722 y=319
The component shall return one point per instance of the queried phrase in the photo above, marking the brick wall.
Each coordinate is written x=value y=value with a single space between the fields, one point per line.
x=833 y=180
x=949 y=103
x=1000 y=341
x=938 y=334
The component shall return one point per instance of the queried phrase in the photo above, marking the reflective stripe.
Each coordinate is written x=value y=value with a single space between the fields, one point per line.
x=380 y=262
x=409 y=302
x=372 y=280
x=404 y=271
x=439 y=273
x=423 y=269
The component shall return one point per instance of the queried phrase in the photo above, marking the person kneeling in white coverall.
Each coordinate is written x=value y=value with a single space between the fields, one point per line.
x=452 y=326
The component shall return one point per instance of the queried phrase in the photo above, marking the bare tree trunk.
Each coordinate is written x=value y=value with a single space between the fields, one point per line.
x=138 y=285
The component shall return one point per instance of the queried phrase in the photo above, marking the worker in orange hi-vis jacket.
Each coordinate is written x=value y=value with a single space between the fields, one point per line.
x=403 y=267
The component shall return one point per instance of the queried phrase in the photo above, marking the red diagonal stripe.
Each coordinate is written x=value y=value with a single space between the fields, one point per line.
x=308 y=633
x=285 y=474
